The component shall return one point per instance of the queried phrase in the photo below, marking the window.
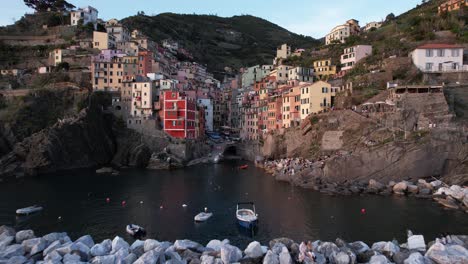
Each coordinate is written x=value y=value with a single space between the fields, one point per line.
x=440 y=53
x=455 y=53
x=429 y=53
x=429 y=66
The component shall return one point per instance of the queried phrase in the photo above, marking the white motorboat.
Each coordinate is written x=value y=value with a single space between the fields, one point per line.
x=203 y=216
x=135 y=230
x=247 y=218
x=29 y=210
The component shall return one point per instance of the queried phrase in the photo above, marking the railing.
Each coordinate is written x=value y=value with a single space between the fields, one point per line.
x=463 y=68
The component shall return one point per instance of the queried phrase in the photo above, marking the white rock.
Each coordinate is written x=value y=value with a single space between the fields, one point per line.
x=415 y=258
x=130 y=259
x=285 y=257
x=342 y=258
x=150 y=244
x=53 y=246
x=457 y=192
x=206 y=259
x=5 y=240
x=7 y=231
x=87 y=240
x=400 y=187
x=12 y=251
x=230 y=254
x=53 y=256
x=436 y=184
x=101 y=249
x=150 y=257
x=254 y=250
x=138 y=247
x=119 y=243
x=264 y=249
x=68 y=248
x=270 y=258
x=121 y=255
x=52 y=237
x=186 y=244
x=379 y=259
x=416 y=243
x=386 y=247
x=447 y=254
x=443 y=191
x=215 y=245
x=17 y=260
x=110 y=259
x=359 y=247
x=71 y=258
x=24 y=235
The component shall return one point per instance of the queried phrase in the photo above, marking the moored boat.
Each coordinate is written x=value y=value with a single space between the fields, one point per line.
x=202 y=217
x=135 y=230
x=246 y=217
x=243 y=167
x=29 y=210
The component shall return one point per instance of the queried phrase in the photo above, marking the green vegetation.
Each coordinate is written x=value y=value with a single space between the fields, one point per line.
x=46 y=5
x=219 y=42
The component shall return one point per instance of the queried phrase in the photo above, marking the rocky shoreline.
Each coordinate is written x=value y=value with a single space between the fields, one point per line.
x=300 y=172
x=23 y=247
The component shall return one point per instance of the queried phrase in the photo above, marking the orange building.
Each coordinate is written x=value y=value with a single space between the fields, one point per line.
x=274 y=113
x=452 y=5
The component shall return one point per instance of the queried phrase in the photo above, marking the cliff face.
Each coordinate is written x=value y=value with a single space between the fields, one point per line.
x=80 y=142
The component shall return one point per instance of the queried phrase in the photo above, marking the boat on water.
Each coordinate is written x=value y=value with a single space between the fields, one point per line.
x=135 y=230
x=203 y=216
x=243 y=167
x=246 y=215
x=29 y=210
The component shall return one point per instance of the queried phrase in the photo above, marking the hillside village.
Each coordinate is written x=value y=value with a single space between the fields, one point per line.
x=156 y=85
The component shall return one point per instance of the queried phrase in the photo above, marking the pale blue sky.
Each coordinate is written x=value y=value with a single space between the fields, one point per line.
x=309 y=17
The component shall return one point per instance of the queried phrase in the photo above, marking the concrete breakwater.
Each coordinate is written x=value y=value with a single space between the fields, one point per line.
x=303 y=173
x=23 y=247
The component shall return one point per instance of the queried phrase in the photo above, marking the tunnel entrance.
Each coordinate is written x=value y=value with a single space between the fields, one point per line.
x=230 y=151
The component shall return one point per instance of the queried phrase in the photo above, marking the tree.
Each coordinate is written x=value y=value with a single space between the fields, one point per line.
x=390 y=17
x=52 y=5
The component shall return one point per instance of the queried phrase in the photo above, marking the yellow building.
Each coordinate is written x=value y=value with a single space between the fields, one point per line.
x=315 y=98
x=103 y=41
x=324 y=68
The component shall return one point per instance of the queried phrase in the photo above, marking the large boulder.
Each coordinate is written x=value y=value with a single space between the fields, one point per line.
x=415 y=258
x=150 y=257
x=108 y=259
x=412 y=189
x=216 y=244
x=416 y=243
x=101 y=249
x=328 y=249
x=436 y=184
x=270 y=258
x=87 y=240
x=206 y=259
x=359 y=247
x=457 y=192
x=186 y=244
x=53 y=246
x=230 y=254
x=285 y=257
x=254 y=250
x=150 y=244
x=283 y=240
x=17 y=260
x=379 y=259
x=138 y=247
x=341 y=258
x=442 y=254
x=12 y=251
x=24 y=235
x=130 y=259
x=6 y=230
x=400 y=188
x=53 y=257
x=6 y=240
x=386 y=248
x=34 y=245
x=119 y=243
x=52 y=237
x=365 y=256
x=375 y=186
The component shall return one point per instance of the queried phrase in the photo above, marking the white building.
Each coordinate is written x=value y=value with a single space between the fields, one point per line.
x=353 y=55
x=282 y=52
x=301 y=74
x=208 y=105
x=439 y=58
x=342 y=32
x=121 y=33
x=142 y=100
x=250 y=76
x=86 y=14
x=371 y=25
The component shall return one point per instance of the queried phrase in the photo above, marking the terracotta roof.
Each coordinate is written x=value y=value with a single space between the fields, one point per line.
x=440 y=46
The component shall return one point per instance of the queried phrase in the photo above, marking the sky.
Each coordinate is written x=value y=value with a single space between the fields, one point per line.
x=308 y=17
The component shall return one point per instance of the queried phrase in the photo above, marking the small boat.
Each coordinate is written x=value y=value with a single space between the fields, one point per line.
x=243 y=167
x=29 y=210
x=203 y=216
x=135 y=230
x=246 y=217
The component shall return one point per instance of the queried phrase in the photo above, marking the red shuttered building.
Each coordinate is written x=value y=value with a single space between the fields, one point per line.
x=179 y=112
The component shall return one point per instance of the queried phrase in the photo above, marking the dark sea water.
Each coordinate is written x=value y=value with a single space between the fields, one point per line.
x=80 y=200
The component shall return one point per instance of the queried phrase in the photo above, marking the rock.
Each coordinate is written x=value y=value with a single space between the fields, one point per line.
x=425 y=191
x=320 y=259
x=416 y=243
x=359 y=247
x=52 y=237
x=400 y=257
x=412 y=189
x=285 y=257
x=379 y=259
x=186 y=244
x=415 y=258
x=105 y=170
x=270 y=258
x=164 y=246
x=56 y=244
x=109 y=259
x=102 y=249
x=215 y=245
x=150 y=244
x=449 y=203
x=24 y=235
x=7 y=231
x=465 y=200
x=87 y=240
x=341 y=258
x=205 y=259
x=17 y=260
x=189 y=255
x=386 y=248
x=34 y=245
x=391 y=184
x=277 y=248
x=436 y=184
x=457 y=192
x=441 y=254
x=119 y=243
x=138 y=248
x=53 y=256
x=375 y=186
x=5 y=240
x=12 y=251
x=150 y=257
x=328 y=249
x=283 y=240
x=129 y=259
x=230 y=254
x=400 y=188
x=71 y=258
x=254 y=250
x=121 y=255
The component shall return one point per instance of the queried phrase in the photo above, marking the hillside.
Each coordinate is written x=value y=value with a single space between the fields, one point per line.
x=219 y=42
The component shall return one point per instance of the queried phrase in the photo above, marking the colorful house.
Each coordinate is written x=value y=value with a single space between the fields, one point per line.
x=179 y=114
